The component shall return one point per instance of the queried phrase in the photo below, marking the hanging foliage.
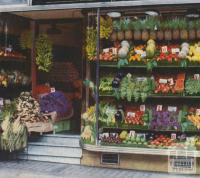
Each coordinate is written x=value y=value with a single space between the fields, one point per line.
x=26 y=40
x=44 y=54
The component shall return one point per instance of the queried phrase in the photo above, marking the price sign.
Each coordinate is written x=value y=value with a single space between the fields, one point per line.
x=175 y=50
x=142 y=108
x=138 y=51
x=53 y=90
x=7 y=101
x=114 y=51
x=132 y=133
x=196 y=76
x=164 y=81
x=198 y=112
x=143 y=55
x=159 y=108
x=164 y=49
x=172 y=108
x=198 y=49
x=173 y=136
x=1 y=101
x=106 y=50
x=171 y=81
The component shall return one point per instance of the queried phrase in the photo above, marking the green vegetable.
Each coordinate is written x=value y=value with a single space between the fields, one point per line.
x=44 y=54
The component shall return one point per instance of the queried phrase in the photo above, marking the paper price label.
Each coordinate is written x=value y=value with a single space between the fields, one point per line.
x=164 y=49
x=164 y=81
x=159 y=108
x=172 y=108
x=53 y=90
x=175 y=50
x=173 y=136
x=142 y=108
x=130 y=114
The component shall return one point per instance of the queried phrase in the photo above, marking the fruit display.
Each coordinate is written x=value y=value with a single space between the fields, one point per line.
x=10 y=53
x=106 y=27
x=87 y=134
x=161 y=141
x=110 y=139
x=169 y=84
x=165 y=119
x=192 y=85
x=134 y=116
x=135 y=140
x=89 y=115
x=194 y=52
x=168 y=53
x=91 y=36
x=109 y=54
x=137 y=53
x=13 y=78
x=150 y=49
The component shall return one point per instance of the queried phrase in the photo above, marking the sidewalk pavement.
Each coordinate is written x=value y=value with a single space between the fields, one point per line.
x=33 y=169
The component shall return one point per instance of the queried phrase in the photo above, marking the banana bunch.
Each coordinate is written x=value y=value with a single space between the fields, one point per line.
x=91 y=37
x=106 y=27
x=89 y=115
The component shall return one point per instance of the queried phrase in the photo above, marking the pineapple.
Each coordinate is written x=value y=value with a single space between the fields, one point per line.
x=145 y=33
x=183 y=29
x=136 y=26
x=197 y=27
x=168 y=31
x=191 y=31
x=160 y=35
x=152 y=23
x=174 y=25
x=115 y=29
x=120 y=33
x=128 y=33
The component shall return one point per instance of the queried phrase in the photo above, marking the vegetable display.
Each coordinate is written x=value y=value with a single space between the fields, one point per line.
x=192 y=86
x=134 y=88
x=164 y=120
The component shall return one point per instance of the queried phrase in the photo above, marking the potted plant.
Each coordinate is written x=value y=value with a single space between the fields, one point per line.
x=183 y=29
x=128 y=32
x=167 y=31
x=191 y=30
x=136 y=26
